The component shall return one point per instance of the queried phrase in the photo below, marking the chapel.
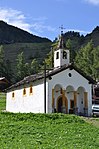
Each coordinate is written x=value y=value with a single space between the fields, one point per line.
x=65 y=89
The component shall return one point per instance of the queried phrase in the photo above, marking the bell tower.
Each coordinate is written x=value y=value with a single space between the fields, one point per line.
x=61 y=54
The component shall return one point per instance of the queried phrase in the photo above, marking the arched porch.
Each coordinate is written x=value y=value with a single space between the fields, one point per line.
x=69 y=100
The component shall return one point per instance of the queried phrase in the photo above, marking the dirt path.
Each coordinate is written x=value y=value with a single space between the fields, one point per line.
x=93 y=121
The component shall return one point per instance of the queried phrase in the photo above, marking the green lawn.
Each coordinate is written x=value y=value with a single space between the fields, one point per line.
x=46 y=131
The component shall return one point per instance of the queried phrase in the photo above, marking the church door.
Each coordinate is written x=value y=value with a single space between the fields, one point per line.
x=59 y=105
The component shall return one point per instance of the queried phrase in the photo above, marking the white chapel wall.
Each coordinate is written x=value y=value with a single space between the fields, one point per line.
x=76 y=80
x=28 y=103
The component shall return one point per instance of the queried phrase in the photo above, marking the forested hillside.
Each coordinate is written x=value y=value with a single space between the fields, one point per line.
x=22 y=53
x=10 y=34
x=15 y=42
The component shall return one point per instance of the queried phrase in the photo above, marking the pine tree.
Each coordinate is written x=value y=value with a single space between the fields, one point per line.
x=20 y=68
x=96 y=63
x=34 y=68
x=86 y=59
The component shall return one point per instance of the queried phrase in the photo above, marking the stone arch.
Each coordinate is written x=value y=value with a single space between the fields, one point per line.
x=70 y=97
x=69 y=89
x=82 y=100
x=80 y=89
x=58 y=88
x=56 y=92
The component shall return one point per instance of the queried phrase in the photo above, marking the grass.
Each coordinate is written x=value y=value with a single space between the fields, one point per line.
x=2 y=101
x=46 y=131
x=93 y=121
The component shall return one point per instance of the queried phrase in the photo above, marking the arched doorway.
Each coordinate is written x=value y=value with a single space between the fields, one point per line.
x=62 y=105
x=59 y=105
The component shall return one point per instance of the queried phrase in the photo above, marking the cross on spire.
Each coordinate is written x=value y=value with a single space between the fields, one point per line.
x=62 y=28
x=61 y=40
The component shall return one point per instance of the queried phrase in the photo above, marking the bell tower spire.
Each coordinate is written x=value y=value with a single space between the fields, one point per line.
x=61 y=43
x=61 y=54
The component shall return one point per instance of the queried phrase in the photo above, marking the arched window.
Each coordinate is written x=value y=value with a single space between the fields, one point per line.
x=31 y=89
x=24 y=91
x=13 y=94
x=64 y=55
x=57 y=55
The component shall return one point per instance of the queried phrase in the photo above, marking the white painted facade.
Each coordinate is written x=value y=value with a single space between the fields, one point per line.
x=33 y=102
x=70 y=84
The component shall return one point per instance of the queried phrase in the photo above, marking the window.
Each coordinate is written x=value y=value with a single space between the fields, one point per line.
x=64 y=55
x=70 y=75
x=31 y=89
x=13 y=95
x=24 y=91
x=57 y=55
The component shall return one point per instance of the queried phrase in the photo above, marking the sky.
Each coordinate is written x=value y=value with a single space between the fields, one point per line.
x=45 y=17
